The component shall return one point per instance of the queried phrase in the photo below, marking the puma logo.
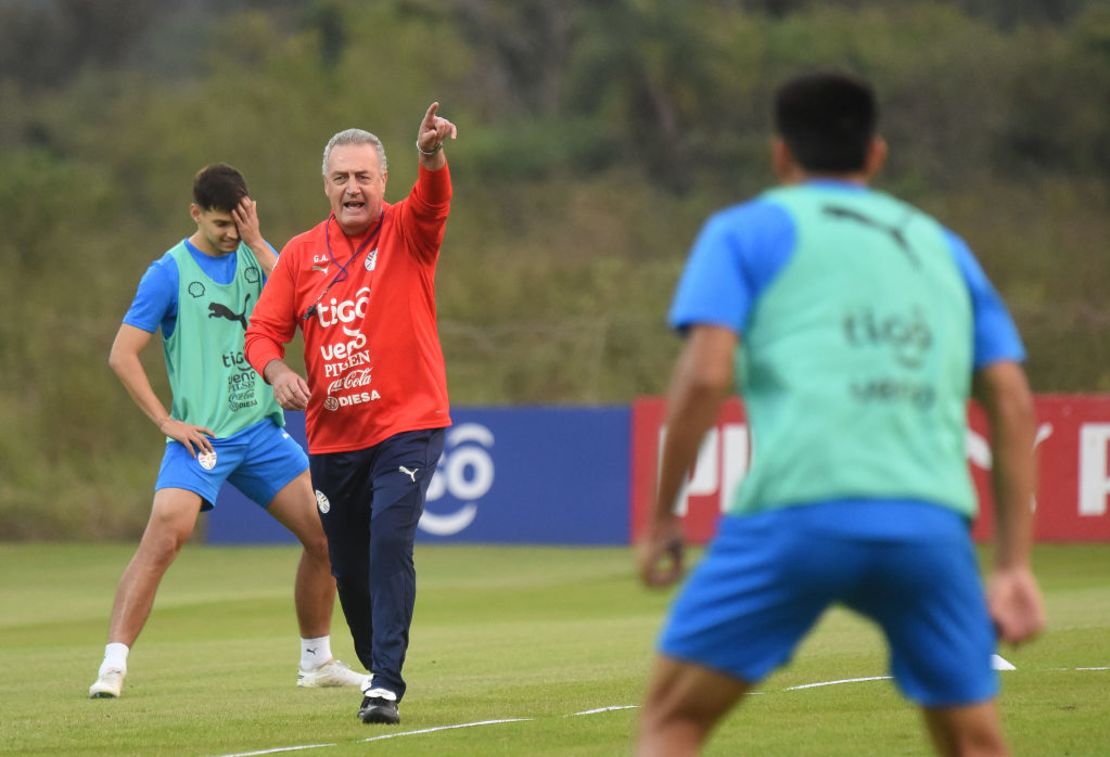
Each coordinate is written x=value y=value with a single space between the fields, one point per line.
x=218 y=310
x=410 y=473
x=895 y=233
x=320 y=268
x=310 y=650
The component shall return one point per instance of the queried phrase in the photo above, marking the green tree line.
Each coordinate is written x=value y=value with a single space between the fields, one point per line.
x=594 y=139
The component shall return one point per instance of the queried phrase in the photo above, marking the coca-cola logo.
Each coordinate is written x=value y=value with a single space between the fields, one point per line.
x=352 y=380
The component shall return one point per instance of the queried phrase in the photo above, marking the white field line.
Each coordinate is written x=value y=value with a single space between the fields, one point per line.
x=383 y=737
x=278 y=750
x=432 y=730
x=596 y=711
x=614 y=708
x=834 y=683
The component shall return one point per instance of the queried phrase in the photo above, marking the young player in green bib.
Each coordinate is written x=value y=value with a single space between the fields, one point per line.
x=224 y=424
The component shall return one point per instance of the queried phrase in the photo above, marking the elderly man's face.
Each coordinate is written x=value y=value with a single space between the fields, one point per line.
x=355 y=186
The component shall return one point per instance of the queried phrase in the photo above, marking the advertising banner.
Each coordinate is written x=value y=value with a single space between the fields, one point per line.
x=1073 y=453
x=508 y=475
x=586 y=475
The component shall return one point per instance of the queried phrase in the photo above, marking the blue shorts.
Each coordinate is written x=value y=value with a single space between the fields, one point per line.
x=259 y=461
x=909 y=566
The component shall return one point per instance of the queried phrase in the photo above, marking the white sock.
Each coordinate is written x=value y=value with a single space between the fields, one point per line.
x=315 y=652
x=115 y=657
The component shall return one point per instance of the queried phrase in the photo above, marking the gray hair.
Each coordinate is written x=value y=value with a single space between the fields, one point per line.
x=354 y=137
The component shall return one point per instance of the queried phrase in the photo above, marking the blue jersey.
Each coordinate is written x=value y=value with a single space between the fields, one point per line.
x=742 y=249
x=740 y=254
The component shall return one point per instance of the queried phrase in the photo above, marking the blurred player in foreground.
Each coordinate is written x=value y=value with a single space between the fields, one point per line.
x=856 y=327
x=224 y=424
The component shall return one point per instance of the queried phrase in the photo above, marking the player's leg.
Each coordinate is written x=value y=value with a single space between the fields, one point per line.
x=753 y=597
x=314 y=587
x=971 y=731
x=343 y=493
x=314 y=590
x=684 y=702
x=273 y=471
x=402 y=473
x=929 y=601
x=172 y=519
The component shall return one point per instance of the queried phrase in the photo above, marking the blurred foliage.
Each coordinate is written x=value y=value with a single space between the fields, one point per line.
x=594 y=139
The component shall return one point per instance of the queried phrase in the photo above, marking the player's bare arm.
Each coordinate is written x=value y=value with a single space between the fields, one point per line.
x=124 y=360
x=434 y=129
x=290 y=389
x=702 y=379
x=1012 y=593
x=245 y=215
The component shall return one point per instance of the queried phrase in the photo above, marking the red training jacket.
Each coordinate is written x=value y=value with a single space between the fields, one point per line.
x=372 y=353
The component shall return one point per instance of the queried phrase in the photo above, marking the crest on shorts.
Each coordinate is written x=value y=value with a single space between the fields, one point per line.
x=322 y=502
x=207 y=460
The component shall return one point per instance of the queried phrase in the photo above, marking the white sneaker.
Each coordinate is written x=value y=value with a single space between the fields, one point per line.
x=332 y=673
x=108 y=684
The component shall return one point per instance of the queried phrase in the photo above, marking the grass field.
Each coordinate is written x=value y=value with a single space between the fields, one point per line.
x=534 y=634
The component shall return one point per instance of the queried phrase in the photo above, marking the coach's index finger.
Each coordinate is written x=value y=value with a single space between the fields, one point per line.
x=429 y=121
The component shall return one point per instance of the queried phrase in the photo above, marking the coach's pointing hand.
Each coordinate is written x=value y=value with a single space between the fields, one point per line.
x=429 y=138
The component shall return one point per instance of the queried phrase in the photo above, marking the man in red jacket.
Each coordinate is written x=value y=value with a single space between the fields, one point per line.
x=361 y=286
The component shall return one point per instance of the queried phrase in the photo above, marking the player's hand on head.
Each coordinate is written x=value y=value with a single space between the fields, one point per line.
x=245 y=215
x=291 y=391
x=434 y=129
x=1015 y=604
x=196 y=439
x=661 y=554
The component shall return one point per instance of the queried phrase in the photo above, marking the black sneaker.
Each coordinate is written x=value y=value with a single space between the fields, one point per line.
x=378 y=709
